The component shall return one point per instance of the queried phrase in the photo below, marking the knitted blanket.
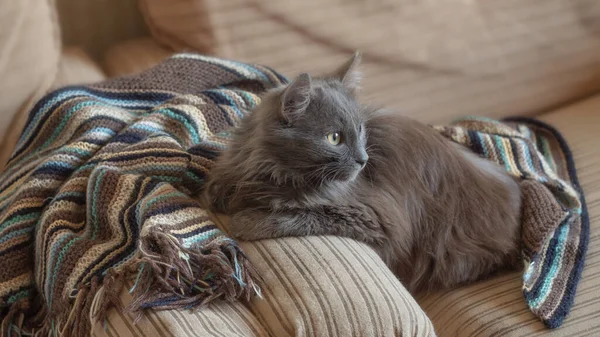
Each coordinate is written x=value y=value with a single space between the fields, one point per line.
x=100 y=187
x=555 y=224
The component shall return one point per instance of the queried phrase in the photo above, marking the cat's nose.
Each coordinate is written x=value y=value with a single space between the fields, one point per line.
x=362 y=161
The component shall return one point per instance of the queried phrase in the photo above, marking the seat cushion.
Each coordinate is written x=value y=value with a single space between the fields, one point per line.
x=496 y=307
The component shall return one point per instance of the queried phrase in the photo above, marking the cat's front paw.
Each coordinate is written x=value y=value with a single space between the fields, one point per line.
x=249 y=225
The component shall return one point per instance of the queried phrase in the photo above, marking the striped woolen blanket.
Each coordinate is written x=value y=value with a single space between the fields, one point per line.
x=100 y=187
x=555 y=223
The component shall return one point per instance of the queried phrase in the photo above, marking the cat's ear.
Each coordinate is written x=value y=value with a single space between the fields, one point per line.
x=296 y=97
x=349 y=74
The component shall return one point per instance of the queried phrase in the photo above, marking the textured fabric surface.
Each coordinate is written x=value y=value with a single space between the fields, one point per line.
x=217 y=319
x=331 y=286
x=30 y=45
x=180 y=24
x=555 y=225
x=105 y=174
x=495 y=307
x=134 y=56
x=432 y=60
x=314 y=286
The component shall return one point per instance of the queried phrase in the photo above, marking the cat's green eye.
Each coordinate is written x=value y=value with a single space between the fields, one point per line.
x=334 y=138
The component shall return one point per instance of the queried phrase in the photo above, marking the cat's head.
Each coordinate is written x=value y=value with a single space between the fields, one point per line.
x=313 y=129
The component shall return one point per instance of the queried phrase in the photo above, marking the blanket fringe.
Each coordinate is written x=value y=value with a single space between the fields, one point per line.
x=173 y=277
x=167 y=276
x=13 y=321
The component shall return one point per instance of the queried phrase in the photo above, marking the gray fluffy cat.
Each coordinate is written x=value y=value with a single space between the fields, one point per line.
x=311 y=160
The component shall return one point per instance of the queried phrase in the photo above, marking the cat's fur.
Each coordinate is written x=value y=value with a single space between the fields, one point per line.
x=436 y=213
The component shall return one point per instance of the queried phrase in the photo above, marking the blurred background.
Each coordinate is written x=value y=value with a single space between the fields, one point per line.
x=431 y=59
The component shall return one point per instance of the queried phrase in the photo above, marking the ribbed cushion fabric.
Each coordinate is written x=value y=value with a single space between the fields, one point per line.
x=313 y=286
x=331 y=286
x=219 y=319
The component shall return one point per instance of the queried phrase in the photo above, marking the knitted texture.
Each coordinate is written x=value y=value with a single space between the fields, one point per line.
x=555 y=224
x=101 y=187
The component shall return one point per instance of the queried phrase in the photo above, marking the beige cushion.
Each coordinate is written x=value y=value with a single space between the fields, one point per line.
x=434 y=60
x=75 y=67
x=219 y=319
x=496 y=307
x=331 y=286
x=313 y=286
x=134 y=56
x=30 y=50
